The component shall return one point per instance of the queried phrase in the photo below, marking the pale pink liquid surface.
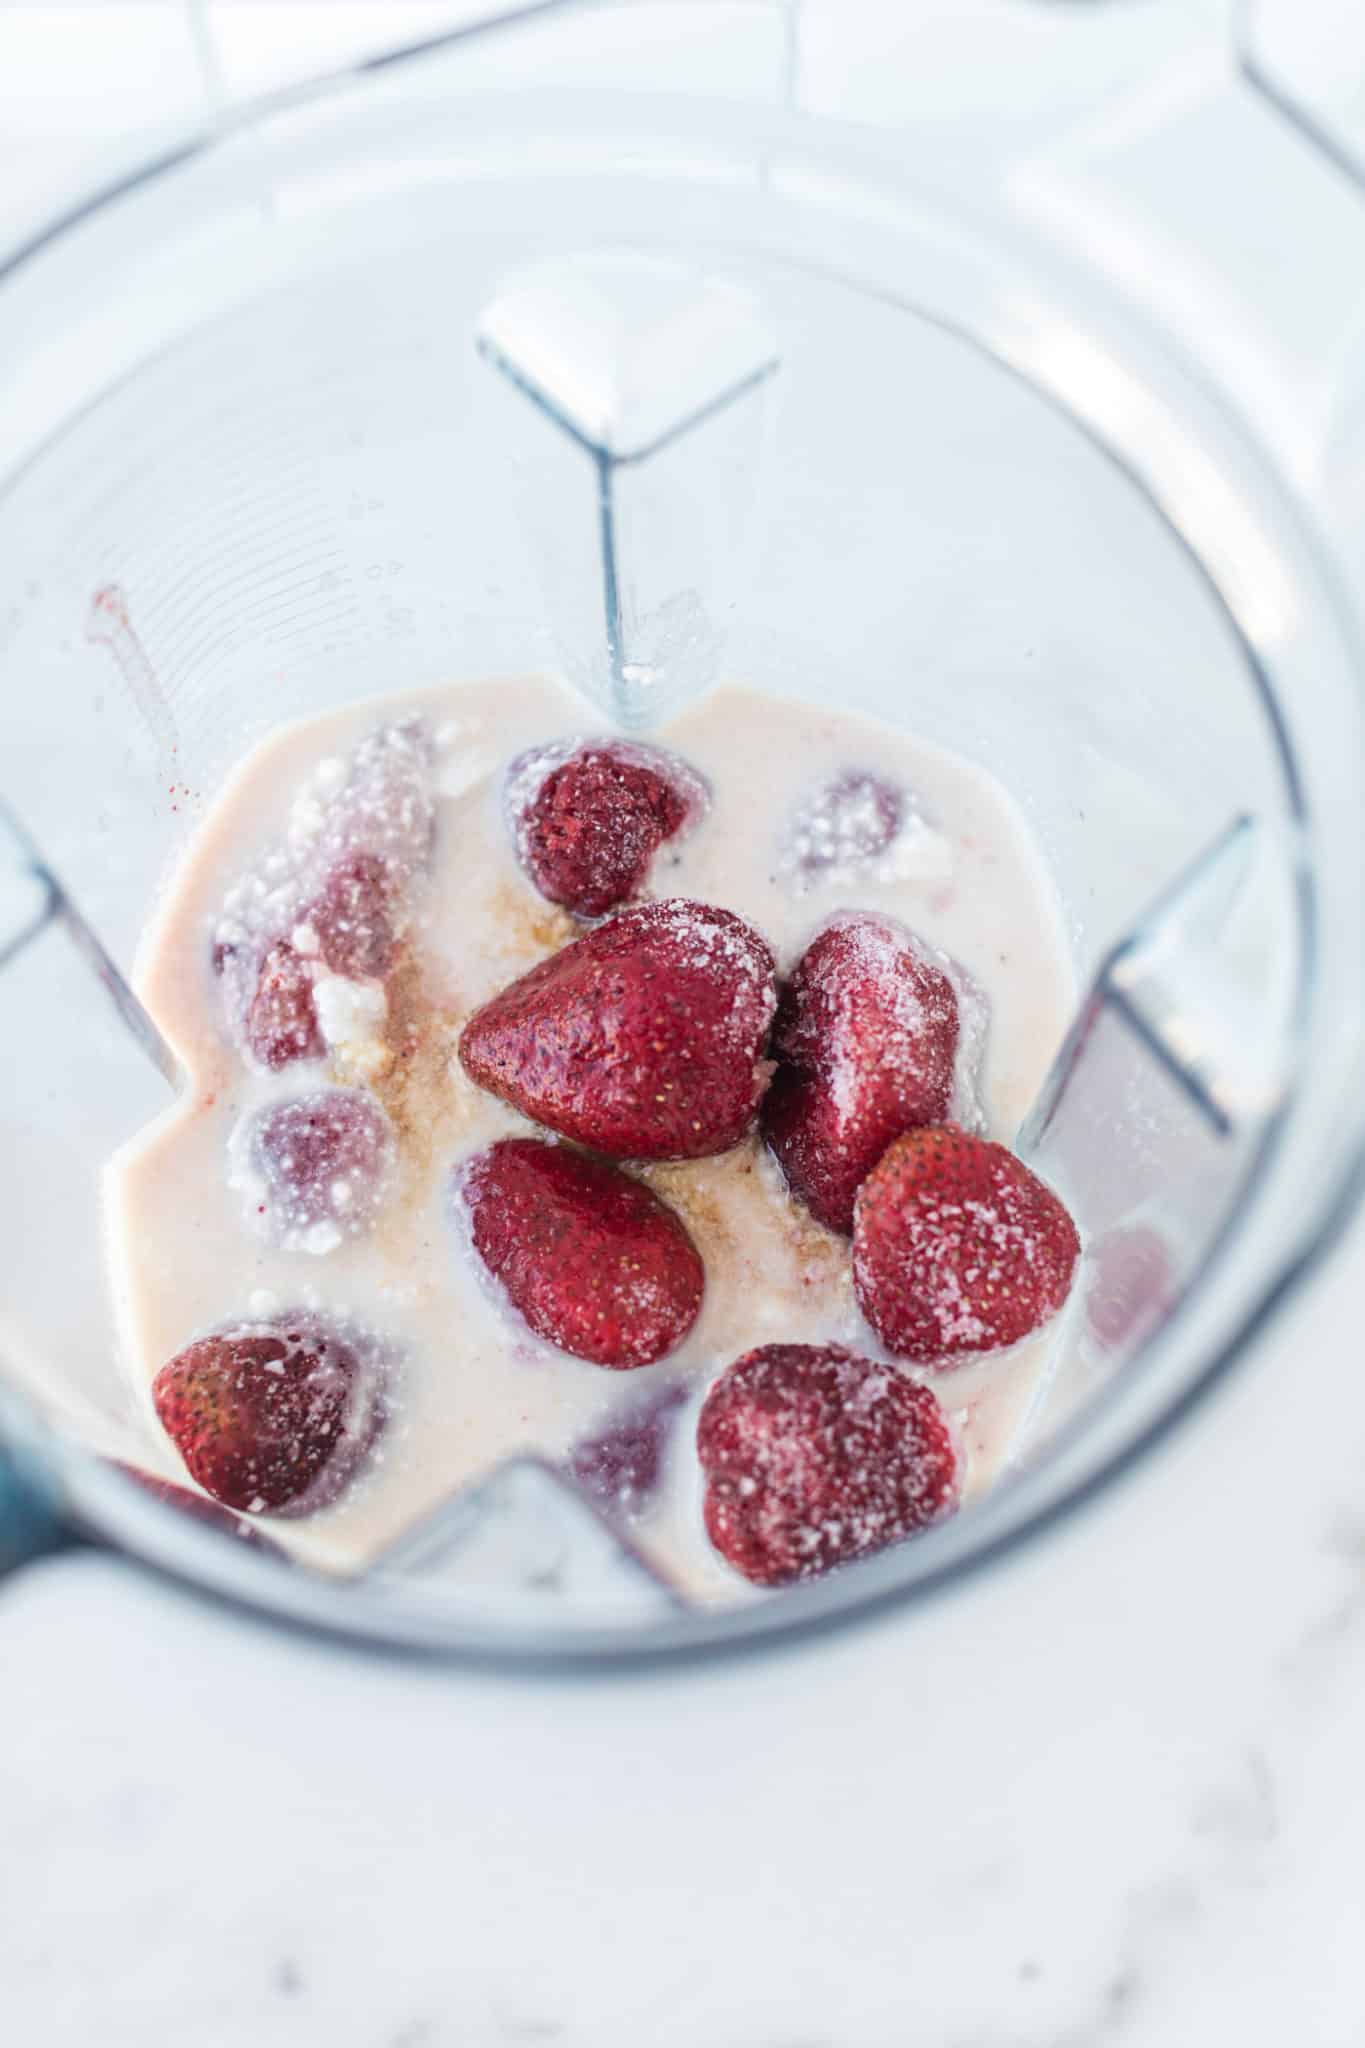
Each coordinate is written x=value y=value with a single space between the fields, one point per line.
x=474 y=1387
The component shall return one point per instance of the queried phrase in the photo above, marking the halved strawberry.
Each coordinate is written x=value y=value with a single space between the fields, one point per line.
x=643 y=1040
x=957 y=1247
x=268 y=1416
x=814 y=1456
x=866 y=1040
x=587 y=817
x=592 y=1260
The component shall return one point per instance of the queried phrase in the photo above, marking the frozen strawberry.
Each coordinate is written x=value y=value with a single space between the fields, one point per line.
x=353 y=917
x=282 y=1024
x=384 y=807
x=957 y=1247
x=843 y=825
x=621 y=1463
x=643 y=1039
x=267 y=1416
x=334 y=897
x=592 y=1260
x=867 y=1039
x=587 y=818
x=199 y=1508
x=858 y=827
x=312 y=1171
x=814 y=1456
x=1132 y=1286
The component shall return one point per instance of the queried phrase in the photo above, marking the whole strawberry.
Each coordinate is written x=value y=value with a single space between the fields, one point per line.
x=842 y=827
x=281 y=1022
x=814 y=1456
x=958 y=1248
x=621 y=1462
x=1132 y=1284
x=866 y=1041
x=313 y=1169
x=267 y=1416
x=199 y=1509
x=587 y=817
x=643 y=1040
x=336 y=898
x=592 y=1260
x=354 y=915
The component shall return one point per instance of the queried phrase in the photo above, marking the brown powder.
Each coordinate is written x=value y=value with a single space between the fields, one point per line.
x=713 y=1195
x=420 y=1088
x=416 y=1089
x=691 y=1189
x=528 y=931
x=529 y=925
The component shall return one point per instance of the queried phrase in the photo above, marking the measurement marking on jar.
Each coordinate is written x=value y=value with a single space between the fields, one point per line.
x=107 y=625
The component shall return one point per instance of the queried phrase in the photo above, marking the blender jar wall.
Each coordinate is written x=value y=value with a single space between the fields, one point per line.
x=295 y=489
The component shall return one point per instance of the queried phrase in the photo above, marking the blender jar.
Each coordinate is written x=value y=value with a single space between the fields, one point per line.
x=1004 y=496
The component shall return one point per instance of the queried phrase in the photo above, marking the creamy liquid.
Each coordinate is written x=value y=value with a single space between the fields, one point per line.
x=474 y=1387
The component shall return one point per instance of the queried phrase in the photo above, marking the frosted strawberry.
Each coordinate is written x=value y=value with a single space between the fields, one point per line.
x=354 y=916
x=587 y=817
x=958 y=1248
x=856 y=827
x=643 y=1040
x=621 y=1463
x=591 y=1259
x=269 y=1416
x=313 y=1170
x=1132 y=1285
x=814 y=1456
x=846 y=823
x=867 y=1041
x=199 y=1508
x=281 y=1022
x=376 y=808
x=334 y=898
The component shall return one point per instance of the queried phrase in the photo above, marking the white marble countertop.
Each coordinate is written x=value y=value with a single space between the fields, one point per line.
x=1108 y=1793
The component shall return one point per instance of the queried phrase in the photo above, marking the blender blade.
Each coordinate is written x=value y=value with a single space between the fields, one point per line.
x=32 y=897
x=524 y=1535
x=654 y=378
x=1170 y=1074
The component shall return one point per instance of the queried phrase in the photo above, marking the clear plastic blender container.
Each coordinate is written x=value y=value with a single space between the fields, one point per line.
x=255 y=466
